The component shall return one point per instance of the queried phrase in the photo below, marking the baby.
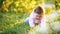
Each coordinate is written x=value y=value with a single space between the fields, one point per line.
x=36 y=17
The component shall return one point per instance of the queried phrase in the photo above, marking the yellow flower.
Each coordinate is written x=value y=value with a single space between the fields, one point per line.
x=17 y=3
x=15 y=10
x=59 y=10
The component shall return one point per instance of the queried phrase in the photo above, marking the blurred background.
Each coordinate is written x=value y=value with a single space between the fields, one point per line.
x=14 y=12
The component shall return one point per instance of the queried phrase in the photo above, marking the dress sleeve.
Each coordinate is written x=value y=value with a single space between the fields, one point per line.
x=31 y=20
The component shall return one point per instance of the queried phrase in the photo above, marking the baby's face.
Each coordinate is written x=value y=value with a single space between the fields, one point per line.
x=39 y=16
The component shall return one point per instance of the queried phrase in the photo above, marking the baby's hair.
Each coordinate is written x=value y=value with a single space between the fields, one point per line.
x=38 y=10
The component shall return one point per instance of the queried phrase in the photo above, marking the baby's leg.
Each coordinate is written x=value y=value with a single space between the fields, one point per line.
x=27 y=20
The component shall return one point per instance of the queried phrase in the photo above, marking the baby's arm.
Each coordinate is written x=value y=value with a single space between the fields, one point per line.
x=31 y=22
x=43 y=22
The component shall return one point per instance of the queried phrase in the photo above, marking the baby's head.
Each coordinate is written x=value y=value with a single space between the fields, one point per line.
x=39 y=12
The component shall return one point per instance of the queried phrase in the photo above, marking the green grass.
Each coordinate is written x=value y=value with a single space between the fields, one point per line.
x=8 y=20
x=18 y=29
